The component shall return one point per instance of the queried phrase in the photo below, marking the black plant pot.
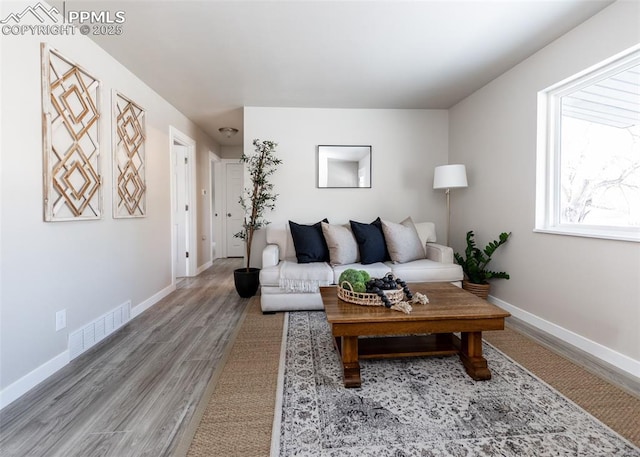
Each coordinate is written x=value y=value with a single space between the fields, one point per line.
x=246 y=282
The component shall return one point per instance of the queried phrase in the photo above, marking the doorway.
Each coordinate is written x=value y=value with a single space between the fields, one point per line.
x=183 y=210
x=215 y=207
x=235 y=214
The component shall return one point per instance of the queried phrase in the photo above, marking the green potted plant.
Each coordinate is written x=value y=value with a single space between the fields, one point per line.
x=474 y=264
x=255 y=200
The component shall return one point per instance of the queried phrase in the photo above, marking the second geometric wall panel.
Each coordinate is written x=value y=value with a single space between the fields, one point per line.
x=129 y=184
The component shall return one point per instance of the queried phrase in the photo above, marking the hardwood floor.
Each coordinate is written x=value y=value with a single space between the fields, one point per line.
x=135 y=393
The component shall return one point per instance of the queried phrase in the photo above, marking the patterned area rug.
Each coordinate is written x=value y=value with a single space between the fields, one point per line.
x=422 y=407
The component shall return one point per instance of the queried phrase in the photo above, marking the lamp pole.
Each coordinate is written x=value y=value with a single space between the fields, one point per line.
x=448 y=215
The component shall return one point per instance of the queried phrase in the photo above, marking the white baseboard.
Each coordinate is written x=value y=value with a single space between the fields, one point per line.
x=203 y=267
x=597 y=350
x=155 y=298
x=14 y=391
x=20 y=387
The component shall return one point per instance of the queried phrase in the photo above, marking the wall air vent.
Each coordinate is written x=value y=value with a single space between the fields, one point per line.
x=94 y=332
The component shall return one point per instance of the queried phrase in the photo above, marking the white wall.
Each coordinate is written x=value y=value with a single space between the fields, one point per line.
x=406 y=146
x=230 y=152
x=87 y=267
x=585 y=290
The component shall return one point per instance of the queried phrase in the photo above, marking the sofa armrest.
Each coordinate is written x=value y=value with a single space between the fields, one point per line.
x=270 y=255
x=439 y=253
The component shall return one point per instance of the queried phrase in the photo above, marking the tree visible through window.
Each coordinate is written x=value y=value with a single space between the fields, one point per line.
x=600 y=174
x=592 y=151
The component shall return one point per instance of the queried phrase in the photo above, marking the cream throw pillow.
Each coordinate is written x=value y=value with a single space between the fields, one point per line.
x=403 y=242
x=343 y=247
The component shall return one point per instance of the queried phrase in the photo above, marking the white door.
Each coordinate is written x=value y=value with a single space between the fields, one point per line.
x=235 y=215
x=180 y=216
x=215 y=216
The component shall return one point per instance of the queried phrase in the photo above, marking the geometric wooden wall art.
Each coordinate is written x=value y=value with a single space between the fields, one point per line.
x=71 y=130
x=129 y=185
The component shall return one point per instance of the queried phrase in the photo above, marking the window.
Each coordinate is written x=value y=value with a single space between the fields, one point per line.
x=588 y=174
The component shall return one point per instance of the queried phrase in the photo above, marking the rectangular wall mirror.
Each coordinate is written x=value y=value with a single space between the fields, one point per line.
x=344 y=166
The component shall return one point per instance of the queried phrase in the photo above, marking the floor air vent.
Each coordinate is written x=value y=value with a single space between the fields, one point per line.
x=89 y=335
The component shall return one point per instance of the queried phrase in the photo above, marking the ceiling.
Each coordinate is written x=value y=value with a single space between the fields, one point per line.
x=211 y=58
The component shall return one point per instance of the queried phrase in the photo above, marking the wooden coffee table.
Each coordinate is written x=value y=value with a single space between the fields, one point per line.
x=430 y=328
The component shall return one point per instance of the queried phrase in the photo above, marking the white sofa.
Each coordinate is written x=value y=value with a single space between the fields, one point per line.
x=286 y=285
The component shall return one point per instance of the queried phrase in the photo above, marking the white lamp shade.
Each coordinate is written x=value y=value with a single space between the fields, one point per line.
x=450 y=177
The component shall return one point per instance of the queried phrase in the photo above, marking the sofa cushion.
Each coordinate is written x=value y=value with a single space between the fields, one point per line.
x=375 y=270
x=304 y=277
x=402 y=240
x=309 y=242
x=343 y=247
x=371 y=242
x=291 y=276
x=425 y=270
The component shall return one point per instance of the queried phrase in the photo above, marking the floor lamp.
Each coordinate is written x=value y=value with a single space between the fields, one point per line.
x=449 y=177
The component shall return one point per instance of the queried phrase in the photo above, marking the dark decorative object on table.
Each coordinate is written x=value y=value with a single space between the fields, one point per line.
x=357 y=286
x=255 y=200
x=475 y=262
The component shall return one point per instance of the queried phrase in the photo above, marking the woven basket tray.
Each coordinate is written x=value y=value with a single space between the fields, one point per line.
x=346 y=293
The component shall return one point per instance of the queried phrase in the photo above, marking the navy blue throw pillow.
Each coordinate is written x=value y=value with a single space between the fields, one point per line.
x=309 y=242
x=371 y=242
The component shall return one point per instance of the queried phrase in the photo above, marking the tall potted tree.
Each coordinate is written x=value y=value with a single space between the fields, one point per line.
x=474 y=265
x=255 y=200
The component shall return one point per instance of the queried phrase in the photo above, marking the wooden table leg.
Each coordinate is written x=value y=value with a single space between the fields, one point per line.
x=350 y=363
x=471 y=356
